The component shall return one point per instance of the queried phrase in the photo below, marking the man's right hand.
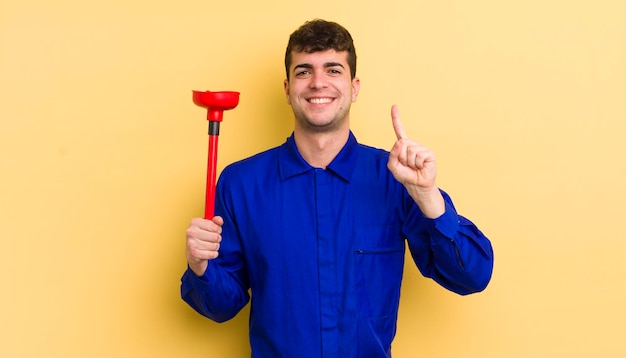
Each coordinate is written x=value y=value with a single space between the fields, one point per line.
x=203 y=242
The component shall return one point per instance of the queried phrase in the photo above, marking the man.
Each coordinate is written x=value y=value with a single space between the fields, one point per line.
x=314 y=231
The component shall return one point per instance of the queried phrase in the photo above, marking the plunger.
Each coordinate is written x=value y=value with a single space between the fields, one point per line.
x=216 y=103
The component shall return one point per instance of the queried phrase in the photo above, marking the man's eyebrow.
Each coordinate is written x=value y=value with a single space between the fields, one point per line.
x=303 y=65
x=333 y=64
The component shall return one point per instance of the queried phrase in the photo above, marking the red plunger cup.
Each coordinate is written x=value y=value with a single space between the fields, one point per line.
x=216 y=103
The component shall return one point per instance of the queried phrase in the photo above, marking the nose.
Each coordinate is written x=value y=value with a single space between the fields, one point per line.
x=317 y=81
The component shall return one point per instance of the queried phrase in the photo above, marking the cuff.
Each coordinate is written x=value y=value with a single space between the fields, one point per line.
x=445 y=226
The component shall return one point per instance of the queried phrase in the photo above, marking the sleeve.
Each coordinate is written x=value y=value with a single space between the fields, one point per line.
x=222 y=291
x=450 y=249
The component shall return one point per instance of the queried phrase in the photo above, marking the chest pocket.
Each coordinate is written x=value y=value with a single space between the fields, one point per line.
x=379 y=264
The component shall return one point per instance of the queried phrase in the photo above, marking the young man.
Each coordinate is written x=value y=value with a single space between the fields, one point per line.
x=314 y=231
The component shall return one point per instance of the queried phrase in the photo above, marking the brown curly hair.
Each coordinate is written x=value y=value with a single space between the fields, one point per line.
x=321 y=35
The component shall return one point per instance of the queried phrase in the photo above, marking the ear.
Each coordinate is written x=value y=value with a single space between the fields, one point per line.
x=286 y=88
x=356 y=86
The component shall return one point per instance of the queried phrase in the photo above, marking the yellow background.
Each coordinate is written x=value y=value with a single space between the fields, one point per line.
x=103 y=154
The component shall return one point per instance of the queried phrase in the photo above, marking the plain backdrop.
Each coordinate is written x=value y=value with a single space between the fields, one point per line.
x=103 y=160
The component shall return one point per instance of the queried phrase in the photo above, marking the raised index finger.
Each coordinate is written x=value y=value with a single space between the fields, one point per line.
x=397 y=124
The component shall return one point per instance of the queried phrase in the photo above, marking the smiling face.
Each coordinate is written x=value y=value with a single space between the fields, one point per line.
x=320 y=90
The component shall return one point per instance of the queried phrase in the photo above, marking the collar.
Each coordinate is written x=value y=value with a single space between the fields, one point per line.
x=291 y=163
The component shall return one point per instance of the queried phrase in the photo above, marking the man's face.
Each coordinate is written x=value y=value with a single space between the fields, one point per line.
x=320 y=90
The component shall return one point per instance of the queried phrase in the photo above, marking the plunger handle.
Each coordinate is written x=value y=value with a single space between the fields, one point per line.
x=211 y=175
x=216 y=103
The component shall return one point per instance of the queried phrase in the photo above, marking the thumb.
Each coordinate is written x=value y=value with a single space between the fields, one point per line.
x=218 y=220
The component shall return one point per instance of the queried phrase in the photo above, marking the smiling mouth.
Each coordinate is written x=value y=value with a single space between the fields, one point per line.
x=320 y=100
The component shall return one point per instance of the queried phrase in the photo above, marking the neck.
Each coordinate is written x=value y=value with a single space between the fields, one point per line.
x=319 y=149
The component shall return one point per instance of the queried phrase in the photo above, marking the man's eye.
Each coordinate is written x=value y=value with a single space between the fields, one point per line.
x=335 y=71
x=302 y=73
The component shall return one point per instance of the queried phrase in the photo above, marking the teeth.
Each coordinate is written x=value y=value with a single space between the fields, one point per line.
x=320 y=100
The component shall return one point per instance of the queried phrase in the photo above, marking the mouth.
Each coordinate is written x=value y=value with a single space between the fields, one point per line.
x=320 y=100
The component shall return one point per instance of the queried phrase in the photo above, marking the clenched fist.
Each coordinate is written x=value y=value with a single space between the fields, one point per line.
x=203 y=242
